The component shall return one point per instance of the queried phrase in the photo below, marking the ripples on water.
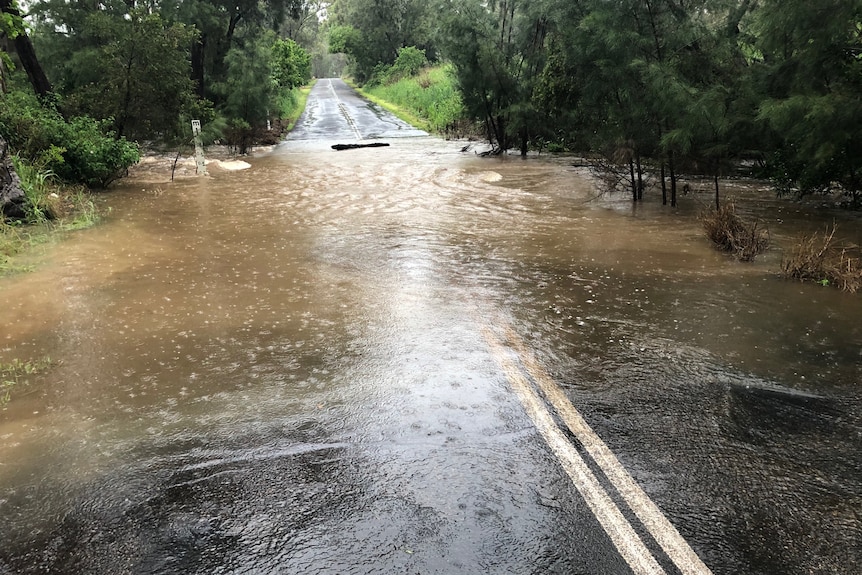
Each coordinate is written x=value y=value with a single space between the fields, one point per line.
x=250 y=361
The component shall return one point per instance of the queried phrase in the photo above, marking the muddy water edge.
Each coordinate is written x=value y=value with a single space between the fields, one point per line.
x=252 y=324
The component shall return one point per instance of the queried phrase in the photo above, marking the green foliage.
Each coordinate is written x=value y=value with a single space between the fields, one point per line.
x=249 y=88
x=345 y=39
x=811 y=75
x=287 y=103
x=152 y=68
x=408 y=63
x=80 y=151
x=213 y=125
x=94 y=156
x=42 y=202
x=290 y=105
x=10 y=27
x=81 y=212
x=291 y=64
x=431 y=95
x=498 y=51
x=371 y=32
x=132 y=67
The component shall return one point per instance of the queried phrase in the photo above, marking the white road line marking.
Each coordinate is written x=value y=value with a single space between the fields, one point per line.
x=621 y=533
x=351 y=123
x=667 y=536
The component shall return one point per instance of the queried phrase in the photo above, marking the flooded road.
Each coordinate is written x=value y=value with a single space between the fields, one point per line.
x=360 y=362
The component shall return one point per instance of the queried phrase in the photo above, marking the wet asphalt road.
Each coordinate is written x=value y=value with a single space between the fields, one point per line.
x=336 y=113
x=377 y=362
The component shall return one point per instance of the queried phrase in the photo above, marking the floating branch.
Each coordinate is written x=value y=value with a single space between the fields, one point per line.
x=355 y=146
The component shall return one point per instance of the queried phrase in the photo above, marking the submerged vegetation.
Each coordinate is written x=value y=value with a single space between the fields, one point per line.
x=821 y=258
x=17 y=374
x=83 y=88
x=49 y=208
x=731 y=233
x=647 y=90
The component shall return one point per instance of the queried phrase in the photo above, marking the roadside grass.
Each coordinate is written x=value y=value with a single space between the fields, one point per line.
x=16 y=375
x=292 y=104
x=429 y=100
x=49 y=211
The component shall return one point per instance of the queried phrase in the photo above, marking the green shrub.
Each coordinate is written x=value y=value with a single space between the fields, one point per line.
x=94 y=157
x=410 y=61
x=79 y=151
x=42 y=203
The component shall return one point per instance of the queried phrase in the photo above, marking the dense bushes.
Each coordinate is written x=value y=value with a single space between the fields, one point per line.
x=430 y=94
x=79 y=151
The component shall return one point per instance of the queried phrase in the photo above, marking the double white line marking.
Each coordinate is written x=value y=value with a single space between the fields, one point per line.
x=343 y=109
x=622 y=534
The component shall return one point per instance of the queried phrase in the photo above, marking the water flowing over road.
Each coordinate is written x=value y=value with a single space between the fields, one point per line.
x=412 y=359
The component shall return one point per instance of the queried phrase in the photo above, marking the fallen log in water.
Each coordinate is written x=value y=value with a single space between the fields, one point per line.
x=354 y=146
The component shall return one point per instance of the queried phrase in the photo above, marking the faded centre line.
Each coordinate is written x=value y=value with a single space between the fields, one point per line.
x=521 y=368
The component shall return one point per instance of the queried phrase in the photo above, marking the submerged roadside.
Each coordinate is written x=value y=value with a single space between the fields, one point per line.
x=51 y=207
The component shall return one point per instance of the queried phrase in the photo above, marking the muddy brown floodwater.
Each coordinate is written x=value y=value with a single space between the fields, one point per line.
x=282 y=370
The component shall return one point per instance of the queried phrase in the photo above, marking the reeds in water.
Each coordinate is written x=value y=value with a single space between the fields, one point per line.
x=730 y=233
x=821 y=258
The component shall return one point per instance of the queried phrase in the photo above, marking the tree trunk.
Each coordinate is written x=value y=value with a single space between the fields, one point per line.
x=3 y=89
x=632 y=180
x=27 y=55
x=498 y=125
x=663 y=185
x=672 y=182
x=717 y=201
x=197 y=60
x=640 y=178
x=11 y=195
x=524 y=142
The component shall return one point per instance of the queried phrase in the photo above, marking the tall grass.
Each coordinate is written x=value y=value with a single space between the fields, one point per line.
x=821 y=258
x=48 y=210
x=42 y=202
x=730 y=233
x=291 y=104
x=430 y=100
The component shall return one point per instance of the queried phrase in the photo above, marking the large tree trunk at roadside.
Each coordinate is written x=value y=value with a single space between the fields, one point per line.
x=197 y=59
x=663 y=184
x=672 y=169
x=27 y=55
x=2 y=77
x=11 y=195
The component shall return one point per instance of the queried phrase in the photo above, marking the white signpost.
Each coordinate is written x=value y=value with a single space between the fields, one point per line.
x=200 y=161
